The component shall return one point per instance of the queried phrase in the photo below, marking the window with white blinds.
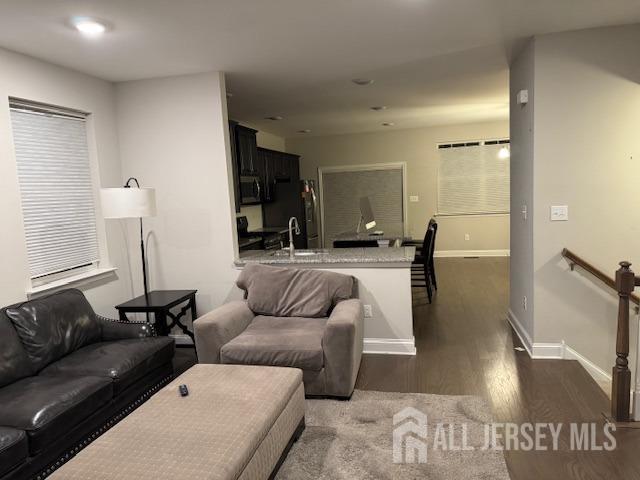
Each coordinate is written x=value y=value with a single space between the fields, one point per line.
x=56 y=189
x=342 y=189
x=473 y=178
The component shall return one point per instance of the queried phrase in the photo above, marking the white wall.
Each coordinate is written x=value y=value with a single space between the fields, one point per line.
x=585 y=155
x=587 y=149
x=418 y=148
x=521 y=128
x=35 y=80
x=174 y=137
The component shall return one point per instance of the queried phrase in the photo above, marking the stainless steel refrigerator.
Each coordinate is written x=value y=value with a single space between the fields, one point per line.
x=294 y=199
x=310 y=213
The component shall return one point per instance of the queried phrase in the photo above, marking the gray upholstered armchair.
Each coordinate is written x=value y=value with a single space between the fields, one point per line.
x=290 y=317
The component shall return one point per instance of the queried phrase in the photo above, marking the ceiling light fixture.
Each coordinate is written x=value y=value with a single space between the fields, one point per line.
x=378 y=108
x=362 y=81
x=388 y=124
x=306 y=130
x=89 y=27
x=275 y=118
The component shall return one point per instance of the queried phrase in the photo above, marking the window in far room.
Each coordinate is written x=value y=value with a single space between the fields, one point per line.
x=473 y=178
x=56 y=189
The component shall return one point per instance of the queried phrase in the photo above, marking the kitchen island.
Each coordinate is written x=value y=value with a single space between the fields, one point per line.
x=384 y=286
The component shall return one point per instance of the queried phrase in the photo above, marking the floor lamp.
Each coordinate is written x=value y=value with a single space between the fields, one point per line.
x=130 y=202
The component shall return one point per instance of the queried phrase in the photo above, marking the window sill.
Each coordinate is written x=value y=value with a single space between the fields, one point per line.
x=467 y=215
x=75 y=280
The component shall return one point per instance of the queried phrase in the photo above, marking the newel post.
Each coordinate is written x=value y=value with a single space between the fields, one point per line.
x=621 y=385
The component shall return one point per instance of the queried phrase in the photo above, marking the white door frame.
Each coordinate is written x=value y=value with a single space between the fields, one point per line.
x=359 y=168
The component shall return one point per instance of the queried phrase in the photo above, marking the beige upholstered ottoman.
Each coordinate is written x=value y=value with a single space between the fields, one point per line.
x=236 y=423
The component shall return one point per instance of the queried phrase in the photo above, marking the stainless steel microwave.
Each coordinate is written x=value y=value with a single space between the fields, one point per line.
x=251 y=191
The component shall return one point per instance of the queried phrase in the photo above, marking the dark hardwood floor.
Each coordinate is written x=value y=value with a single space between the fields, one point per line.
x=466 y=347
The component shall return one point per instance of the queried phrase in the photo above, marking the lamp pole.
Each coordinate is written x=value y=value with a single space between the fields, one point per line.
x=144 y=260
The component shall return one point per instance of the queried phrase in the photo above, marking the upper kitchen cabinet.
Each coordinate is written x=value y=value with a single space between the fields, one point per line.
x=234 y=163
x=246 y=150
x=280 y=167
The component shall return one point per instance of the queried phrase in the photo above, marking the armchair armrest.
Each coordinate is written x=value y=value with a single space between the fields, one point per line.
x=119 y=330
x=343 y=344
x=219 y=327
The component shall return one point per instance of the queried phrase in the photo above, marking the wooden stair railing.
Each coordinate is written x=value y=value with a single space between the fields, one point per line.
x=624 y=283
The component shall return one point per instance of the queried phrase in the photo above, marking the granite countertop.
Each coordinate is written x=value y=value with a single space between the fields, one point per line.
x=372 y=256
x=363 y=236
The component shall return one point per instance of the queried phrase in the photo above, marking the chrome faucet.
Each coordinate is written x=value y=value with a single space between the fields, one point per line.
x=292 y=250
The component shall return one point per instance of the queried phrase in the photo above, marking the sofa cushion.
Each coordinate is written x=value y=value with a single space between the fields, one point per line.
x=291 y=292
x=14 y=448
x=123 y=361
x=47 y=407
x=14 y=361
x=278 y=341
x=54 y=326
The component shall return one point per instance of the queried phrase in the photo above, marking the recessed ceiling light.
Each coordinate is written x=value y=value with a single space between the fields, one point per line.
x=379 y=108
x=362 y=81
x=306 y=130
x=388 y=124
x=88 y=26
x=275 y=118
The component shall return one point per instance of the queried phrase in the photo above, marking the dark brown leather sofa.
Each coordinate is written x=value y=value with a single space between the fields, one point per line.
x=67 y=375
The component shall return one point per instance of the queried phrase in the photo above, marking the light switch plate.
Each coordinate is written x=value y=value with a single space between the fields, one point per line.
x=559 y=213
x=368 y=311
x=414 y=198
x=523 y=97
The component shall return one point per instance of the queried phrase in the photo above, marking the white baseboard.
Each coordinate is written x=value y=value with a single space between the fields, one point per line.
x=390 y=346
x=552 y=351
x=471 y=253
x=559 y=351
x=525 y=339
x=598 y=374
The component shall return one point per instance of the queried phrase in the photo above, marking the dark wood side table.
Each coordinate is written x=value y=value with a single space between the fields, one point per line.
x=160 y=303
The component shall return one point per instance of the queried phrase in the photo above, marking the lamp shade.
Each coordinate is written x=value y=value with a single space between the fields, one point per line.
x=128 y=202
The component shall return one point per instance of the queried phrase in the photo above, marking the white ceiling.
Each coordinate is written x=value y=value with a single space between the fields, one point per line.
x=433 y=61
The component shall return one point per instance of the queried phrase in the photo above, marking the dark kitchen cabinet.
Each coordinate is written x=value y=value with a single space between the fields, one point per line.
x=280 y=167
x=234 y=163
x=246 y=150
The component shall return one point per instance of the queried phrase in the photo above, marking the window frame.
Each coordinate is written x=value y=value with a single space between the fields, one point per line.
x=98 y=269
x=506 y=141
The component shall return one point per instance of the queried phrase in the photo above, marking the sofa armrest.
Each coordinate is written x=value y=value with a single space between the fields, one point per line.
x=342 y=344
x=219 y=327
x=120 y=330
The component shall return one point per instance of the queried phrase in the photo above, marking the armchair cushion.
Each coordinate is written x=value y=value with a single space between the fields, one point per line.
x=54 y=326
x=123 y=361
x=291 y=292
x=14 y=448
x=46 y=407
x=213 y=330
x=278 y=341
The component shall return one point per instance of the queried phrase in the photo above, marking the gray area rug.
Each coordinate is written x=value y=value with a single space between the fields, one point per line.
x=354 y=439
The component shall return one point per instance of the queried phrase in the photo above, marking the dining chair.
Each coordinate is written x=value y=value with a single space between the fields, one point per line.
x=423 y=273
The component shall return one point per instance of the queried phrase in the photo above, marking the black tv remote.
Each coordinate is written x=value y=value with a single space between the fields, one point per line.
x=184 y=391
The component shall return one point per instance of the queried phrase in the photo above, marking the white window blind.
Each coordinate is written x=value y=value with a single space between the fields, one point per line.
x=56 y=189
x=341 y=193
x=473 y=178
